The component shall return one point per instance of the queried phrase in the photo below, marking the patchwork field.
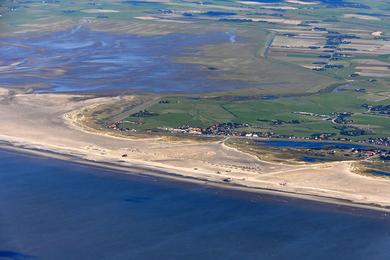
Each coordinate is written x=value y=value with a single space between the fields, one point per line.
x=293 y=116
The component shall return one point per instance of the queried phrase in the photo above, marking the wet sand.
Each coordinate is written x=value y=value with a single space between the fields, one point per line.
x=83 y=60
x=51 y=124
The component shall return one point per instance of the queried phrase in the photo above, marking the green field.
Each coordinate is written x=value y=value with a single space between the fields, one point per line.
x=259 y=114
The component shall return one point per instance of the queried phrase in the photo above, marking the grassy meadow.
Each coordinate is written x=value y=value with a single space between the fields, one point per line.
x=261 y=114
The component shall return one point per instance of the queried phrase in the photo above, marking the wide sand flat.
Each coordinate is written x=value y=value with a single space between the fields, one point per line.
x=52 y=122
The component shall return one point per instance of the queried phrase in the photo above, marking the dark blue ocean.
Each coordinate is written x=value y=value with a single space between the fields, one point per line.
x=51 y=209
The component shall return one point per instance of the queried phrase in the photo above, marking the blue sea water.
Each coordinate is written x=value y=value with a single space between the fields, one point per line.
x=51 y=209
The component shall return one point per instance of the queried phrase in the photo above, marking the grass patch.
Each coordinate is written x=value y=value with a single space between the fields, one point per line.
x=263 y=115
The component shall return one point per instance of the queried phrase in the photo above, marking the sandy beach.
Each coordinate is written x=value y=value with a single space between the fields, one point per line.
x=52 y=125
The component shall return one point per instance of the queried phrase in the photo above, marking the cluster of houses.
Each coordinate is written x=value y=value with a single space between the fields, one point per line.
x=382 y=141
x=182 y=130
x=342 y=118
x=223 y=129
x=380 y=109
x=114 y=126
x=381 y=154
x=366 y=152
x=333 y=42
x=227 y=129
x=385 y=156
x=240 y=130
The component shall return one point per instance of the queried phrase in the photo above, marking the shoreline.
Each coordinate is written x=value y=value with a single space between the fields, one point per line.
x=175 y=177
x=54 y=126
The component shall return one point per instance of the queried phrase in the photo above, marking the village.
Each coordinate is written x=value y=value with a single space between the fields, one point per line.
x=375 y=146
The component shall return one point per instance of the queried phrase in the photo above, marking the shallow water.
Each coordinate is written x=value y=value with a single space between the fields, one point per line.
x=381 y=173
x=330 y=3
x=83 y=60
x=52 y=209
x=312 y=159
x=311 y=144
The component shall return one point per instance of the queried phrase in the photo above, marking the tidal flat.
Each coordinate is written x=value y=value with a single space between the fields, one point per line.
x=81 y=60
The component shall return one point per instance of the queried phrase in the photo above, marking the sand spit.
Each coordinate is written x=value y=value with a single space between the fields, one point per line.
x=53 y=124
x=377 y=34
x=268 y=5
x=99 y=11
x=362 y=17
x=302 y=2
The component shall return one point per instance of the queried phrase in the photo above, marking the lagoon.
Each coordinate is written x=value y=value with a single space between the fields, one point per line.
x=311 y=144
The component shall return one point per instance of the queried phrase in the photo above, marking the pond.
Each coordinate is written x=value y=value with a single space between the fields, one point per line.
x=311 y=144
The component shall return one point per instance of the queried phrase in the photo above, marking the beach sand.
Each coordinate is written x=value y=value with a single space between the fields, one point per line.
x=52 y=124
